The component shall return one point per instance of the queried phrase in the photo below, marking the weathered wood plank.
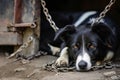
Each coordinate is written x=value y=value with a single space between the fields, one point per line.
x=31 y=13
x=6 y=13
x=10 y=38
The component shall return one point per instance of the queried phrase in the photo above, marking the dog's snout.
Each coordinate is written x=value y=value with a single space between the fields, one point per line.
x=82 y=65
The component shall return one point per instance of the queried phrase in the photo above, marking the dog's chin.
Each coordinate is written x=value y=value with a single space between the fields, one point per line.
x=83 y=70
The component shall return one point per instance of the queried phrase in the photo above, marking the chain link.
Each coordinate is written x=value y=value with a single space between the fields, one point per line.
x=48 y=16
x=22 y=47
x=97 y=20
x=52 y=67
x=103 y=13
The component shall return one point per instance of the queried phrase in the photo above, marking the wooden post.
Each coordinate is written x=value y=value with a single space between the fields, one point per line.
x=17 y=11
x=30 y=14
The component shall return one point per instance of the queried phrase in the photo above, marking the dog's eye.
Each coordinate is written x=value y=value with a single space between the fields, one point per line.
x=91 y=46
x=76 y=46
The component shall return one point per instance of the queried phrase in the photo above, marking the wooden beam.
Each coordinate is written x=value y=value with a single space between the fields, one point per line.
x=10 y=38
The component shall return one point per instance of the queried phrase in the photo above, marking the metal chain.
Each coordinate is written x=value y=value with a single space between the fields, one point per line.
x=103 y=13
x=48 y=16
x=97 y=20
x=22 y=47
x=52 y=67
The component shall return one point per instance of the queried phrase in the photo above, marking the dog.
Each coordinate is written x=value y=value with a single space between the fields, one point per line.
x=85 y=43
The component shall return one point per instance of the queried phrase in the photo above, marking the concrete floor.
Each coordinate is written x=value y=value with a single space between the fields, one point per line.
x=19 y=70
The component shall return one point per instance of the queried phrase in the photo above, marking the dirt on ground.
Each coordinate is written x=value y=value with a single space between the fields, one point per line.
x=10 y=69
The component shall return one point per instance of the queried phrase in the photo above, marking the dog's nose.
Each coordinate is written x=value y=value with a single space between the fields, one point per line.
x=82 y=65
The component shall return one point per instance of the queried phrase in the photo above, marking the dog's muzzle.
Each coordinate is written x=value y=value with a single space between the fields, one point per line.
x=83 y=62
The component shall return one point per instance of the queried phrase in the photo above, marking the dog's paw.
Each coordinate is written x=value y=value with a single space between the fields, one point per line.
x=98 y=63
x=62 y=62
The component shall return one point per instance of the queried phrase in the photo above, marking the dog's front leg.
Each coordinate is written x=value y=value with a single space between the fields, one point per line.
x=63 y=60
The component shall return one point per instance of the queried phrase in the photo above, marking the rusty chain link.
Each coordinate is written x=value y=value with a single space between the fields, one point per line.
x=22 y=47
x=48 y=16
x=52 y=67
x=103 y=13
x=97 y=20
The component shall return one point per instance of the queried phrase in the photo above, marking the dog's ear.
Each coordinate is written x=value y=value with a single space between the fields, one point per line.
x=104 y=32
x=65 y=32
x=101 y=29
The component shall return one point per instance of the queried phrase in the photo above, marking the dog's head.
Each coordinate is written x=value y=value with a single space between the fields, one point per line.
x=87 y=44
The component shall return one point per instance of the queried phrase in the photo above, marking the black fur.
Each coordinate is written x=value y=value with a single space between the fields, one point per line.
x=98 y=39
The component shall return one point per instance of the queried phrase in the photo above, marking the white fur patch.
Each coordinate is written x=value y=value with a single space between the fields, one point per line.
x=92 y=20
x=54 y=49
x=109 y=56
x=64 y=52
x=63 y=60
x=84 y=17
x=83 y=57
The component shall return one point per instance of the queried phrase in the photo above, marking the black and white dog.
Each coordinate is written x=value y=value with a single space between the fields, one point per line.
x=86 y=44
